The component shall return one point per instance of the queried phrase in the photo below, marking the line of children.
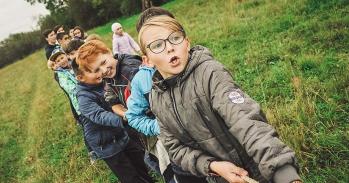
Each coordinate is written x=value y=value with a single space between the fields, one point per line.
x=210 y=128
x=119 y=147
x=57 y=38
x=147 y=126
x=92 y=130
x=105 y=148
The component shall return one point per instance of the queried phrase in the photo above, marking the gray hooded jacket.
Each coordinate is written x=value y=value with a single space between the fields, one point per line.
x=206 y=92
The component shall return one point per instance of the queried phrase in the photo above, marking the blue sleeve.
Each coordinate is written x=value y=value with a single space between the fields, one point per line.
x=90 y=109
x=138 y=105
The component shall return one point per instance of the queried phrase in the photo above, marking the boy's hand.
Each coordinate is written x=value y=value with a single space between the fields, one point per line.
x=109 y=96
x=119 y=109
x=228 y=171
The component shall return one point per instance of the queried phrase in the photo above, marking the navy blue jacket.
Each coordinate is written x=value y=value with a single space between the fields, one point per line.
x=103 y=129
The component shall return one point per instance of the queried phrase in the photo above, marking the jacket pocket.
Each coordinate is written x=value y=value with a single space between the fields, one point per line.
x=105 y=137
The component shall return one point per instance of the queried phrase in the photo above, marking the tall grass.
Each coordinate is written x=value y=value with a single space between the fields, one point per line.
x=291 y=56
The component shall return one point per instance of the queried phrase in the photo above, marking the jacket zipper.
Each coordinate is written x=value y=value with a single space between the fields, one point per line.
x=179 y=121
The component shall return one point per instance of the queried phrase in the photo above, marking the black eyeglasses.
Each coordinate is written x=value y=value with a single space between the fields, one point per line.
x=159 y=45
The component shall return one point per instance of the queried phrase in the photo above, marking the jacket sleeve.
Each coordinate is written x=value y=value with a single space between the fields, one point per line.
x=129 y=59
x=133 y=43
x=90 y=109
x=69 y=87
x=247 y=123
x=138 y=105
x=115 y=46
x=48 y=54
x=188 y=158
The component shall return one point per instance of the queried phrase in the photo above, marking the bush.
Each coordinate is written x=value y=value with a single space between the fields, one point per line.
x=19 y=45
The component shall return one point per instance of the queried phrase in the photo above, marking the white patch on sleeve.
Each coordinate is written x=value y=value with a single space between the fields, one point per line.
x=236 y=97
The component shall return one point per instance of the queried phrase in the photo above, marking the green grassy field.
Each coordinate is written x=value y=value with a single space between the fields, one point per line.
x=290 y=55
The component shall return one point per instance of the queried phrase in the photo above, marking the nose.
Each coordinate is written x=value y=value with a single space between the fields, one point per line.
x=169 y=46
x=103 y=70
x=99 y=75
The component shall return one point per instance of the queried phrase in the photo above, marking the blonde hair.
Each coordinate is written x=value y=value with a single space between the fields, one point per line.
x=160 y=21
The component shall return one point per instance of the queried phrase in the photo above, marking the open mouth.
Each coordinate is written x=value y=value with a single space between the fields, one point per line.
x=174 y=60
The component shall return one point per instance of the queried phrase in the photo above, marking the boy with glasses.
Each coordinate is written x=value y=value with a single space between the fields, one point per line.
x=209 y=126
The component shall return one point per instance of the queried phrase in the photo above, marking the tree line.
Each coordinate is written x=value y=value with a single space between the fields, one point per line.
x=85 y=13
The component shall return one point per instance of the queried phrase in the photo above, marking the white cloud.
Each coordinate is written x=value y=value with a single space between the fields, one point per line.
x=19 y=16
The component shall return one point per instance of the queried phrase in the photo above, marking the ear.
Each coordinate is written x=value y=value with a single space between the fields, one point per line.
x=79 y=78
x=188 y=41
x=146 y=61
x=50 y=64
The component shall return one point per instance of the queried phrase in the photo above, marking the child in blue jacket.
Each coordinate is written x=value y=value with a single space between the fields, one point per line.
x=138 y=114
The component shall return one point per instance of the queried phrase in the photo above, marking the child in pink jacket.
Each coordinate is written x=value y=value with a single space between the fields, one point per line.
x=123 y=42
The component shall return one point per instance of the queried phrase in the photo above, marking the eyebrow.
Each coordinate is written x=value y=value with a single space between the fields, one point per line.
x=99 y=65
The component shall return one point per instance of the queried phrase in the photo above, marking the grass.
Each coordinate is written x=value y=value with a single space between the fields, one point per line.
x=291 y=56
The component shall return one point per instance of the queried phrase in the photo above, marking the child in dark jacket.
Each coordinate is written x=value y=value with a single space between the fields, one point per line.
x=112 y=140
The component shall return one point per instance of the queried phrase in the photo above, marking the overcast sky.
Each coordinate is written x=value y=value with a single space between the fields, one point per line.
x=18 y=16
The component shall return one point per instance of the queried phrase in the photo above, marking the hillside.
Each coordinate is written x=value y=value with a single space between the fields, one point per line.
x=292 y=56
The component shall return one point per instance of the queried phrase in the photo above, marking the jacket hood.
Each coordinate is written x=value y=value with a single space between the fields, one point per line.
x=197 y=55
x=144 y=67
